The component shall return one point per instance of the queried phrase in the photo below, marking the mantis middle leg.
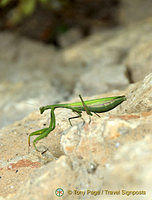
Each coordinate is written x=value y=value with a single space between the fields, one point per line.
x=79 y=115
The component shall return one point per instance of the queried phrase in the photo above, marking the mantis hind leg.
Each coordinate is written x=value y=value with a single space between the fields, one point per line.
x=97 y=114
x=86 y=108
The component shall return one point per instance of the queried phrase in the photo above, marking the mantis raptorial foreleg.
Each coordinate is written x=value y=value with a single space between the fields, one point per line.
x=43 y=132
x=39 y=132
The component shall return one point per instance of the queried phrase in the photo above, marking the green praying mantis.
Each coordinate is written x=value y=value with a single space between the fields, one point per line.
x=90 y=106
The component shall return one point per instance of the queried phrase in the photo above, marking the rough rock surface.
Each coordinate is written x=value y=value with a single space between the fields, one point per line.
x=132 y=12
x=112 y=153
x=139 y=60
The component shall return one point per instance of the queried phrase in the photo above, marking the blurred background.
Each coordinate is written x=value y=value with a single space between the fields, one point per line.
x=52 y=50
x=48 y=20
